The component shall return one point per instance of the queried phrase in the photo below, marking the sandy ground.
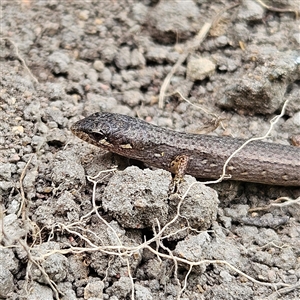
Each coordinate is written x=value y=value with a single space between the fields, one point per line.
x=119 y=235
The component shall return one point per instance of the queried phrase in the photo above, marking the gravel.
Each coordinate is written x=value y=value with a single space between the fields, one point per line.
x=123 y=233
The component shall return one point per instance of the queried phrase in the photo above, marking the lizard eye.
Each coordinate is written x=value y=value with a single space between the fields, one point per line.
x=97 y=136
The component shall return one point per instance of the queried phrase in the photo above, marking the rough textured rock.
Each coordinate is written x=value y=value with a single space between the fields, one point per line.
x=90 y=56
x=179 y=19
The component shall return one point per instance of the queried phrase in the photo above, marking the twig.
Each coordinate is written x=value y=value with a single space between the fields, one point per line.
x=199 y=38
x=191 y=46
x=217 y=118
x=277 y=203
x=49 y=281
x=2 y=232
x=284 y=291
x=20 y=58
x=92 y=179
x=220 y=262
x=276 y=9
x=24 y=200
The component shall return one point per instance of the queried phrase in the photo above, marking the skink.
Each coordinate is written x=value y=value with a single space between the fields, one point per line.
x=202 y=156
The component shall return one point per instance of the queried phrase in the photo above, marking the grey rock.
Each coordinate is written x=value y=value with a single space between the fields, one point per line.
x=4 y=186
x=142 y=292
x=56 y=267
x=51 y=28
x=215 y=43
x=266 y=220
x=6 y=170
x=250 y=10
x=128 y=75
x=167 y=22
x=228 y=251
x=236 y=211
x=246 y=233
x=98 y=65
x=75 y=72
x=78 y=269
x=262 y=90
x=71 y=35
x=66 y=206
x=240 y=32
x=44 y=216
x=13 y=228
x=90 y=54
x=67 y=172
x=120 y=288
x=225 y=63
x=92 y=75
x=226 y=276
x=296 y=119
x=157 y=54
x=296 y=37
x=94 y=290
x=140 y=12
x=108 y=51
x=165 y=122
x=171 y=289
x=191 y=247
x=13 y=207
x=122 y=59
x=29 y=183
x=137 y=59
x=105 y=75
x=132 y=98
x=81 y=65
x=39 y=291
x=56 y=136
x=38 y=141
x=55 y=91
x=198 y=210
x=266 y=236
x=75 y=88
x=32 y=112
x=58 y=62
x=172 y=57
x=183 y=86
x=286 y=259
x=132 y=85
x=145 y=77
x=6 y=283
x=117 y=267
x=56 y=115
x=68 y=291
x=96 y=102
x=8 y=261
x=229 y=290
x=154 y=269
x=199 y=68
x=124 y=109
x=263 y=257
x=137 y=197
x=117 y=81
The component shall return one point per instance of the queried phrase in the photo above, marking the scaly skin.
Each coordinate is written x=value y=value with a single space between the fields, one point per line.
x=258 y=161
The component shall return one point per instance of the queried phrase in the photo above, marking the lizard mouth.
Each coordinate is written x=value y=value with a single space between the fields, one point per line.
x=82 y=135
